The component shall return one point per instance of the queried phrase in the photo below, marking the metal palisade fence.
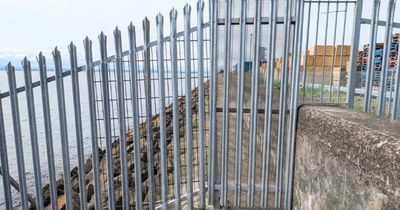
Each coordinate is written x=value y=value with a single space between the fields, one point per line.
x=205 y=116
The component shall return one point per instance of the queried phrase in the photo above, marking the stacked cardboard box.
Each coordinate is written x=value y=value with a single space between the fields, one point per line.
x=336 y=56
x=392 y=65
x=393 y=62
x=278 y=67
x=339 y=76
x=358 y=69
x=335 y=59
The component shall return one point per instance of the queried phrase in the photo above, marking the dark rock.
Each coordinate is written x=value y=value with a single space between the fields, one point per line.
x=74 y=172
x=88 y=165
x=155 y=128
x=46 y=195
x=90 y=192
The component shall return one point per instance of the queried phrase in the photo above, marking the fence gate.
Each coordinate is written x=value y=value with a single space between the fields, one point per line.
x=267 y=57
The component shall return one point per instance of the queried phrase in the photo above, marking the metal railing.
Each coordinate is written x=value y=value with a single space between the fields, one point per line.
x=122 y=93
x=172 y=120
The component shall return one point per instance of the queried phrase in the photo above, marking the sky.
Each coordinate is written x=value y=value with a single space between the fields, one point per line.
x=31 y=26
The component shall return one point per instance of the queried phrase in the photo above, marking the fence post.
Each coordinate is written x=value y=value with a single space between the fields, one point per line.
x=17 y=135
x=386 y=53
x=213 y=156
x=188 y=107
x=282 y=105
x=396 y=100
x=333 y=53
x=269 y=89
x=315 y=54
x=161 y=88
x=175 y=109
x=63 y=128
x=239 y=99
x=4 y=161
x=355 y=42
x=121 y=117
x=78 y=125
x=48 y=129
x=200 y=69
x=341 y=51
x=322 y=85
x=254 y=104
x=93 y=125
x=225 y=114
x=305 y=69
x=294 y=90
x=107 y=119
x=33 y=132
x=149 y=126
x=371 y=55
x=135 y=114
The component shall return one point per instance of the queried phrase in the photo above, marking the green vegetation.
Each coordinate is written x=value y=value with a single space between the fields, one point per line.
x=310 y=94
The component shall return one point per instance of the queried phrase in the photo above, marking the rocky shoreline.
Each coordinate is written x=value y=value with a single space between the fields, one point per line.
x=117 y=163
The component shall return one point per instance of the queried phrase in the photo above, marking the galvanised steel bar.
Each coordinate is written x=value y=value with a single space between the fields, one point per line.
x=175 y=109
x=371 y=55
x=321 y=99
x=17 y=135
x=161 y=101
x=152 y=70
x=239 y=99
x=254 y=104
x=135 y=114
x=380 y=23
x=294 y=90
x=33 y=132
x=282 y=105
x=386 y=53
x=391 y=92
x=93 y=125
x=98 y=62
x=396 y=98
x=121 y=118
x=333 y=53
x=269 y=88
x=48 y=129
x=4 y=162
x=331 y=1
x=201 y=126
x=341 y=51
x=63 y=128
x=305 y=65
x=225 y=121
x=14 y=183
x=213 y=157
x=355 y=42
x=250 y=20
x=107 y=119
x=149 y=126
x=188 y=106
x=315 y=54
x=78 y=125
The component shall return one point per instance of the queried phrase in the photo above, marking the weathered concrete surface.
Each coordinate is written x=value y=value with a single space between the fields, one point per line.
x=346 y=160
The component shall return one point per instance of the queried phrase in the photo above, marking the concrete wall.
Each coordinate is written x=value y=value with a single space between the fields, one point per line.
x=346 y=160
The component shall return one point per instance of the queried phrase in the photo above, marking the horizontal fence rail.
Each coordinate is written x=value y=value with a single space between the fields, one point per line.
x=140 y=96
x=204 y=116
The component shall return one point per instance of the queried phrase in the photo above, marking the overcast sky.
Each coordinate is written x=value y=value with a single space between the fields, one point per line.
x=30 y=26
